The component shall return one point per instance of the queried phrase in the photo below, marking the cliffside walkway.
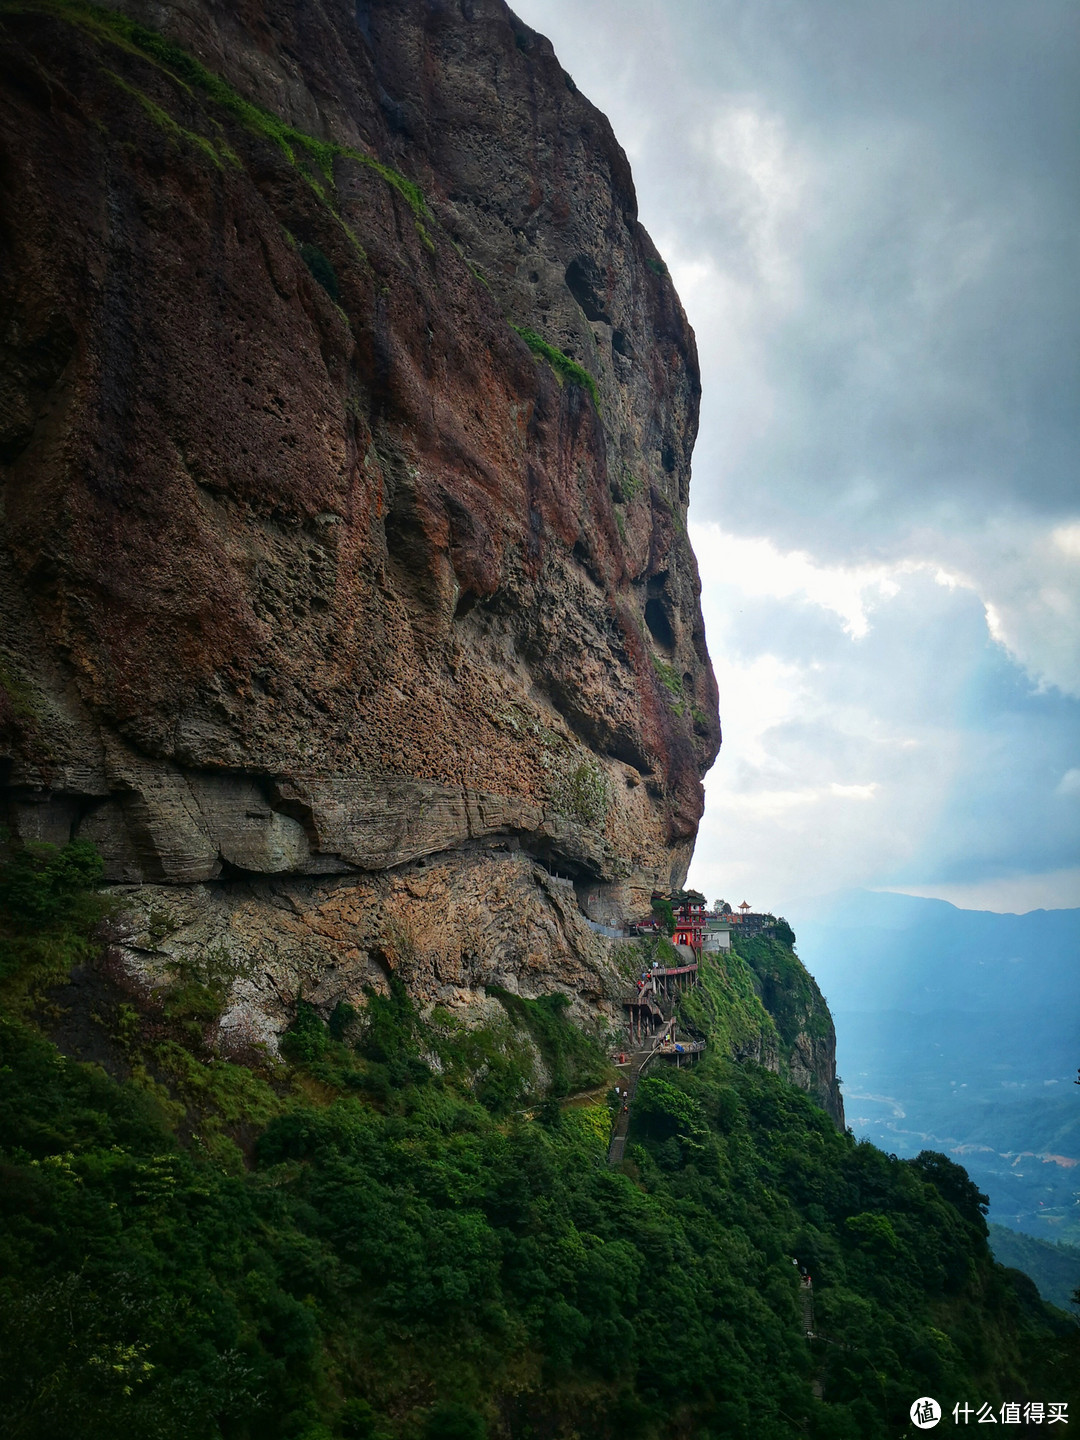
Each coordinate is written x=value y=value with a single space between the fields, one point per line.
x=812 y=1334
x=654 y=999
x=638 y=1060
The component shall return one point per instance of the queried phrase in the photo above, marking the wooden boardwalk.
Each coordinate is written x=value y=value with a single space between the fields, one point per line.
x=655 y=998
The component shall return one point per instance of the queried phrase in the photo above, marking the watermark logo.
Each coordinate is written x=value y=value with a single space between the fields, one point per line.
x=1012 y=1412
x=925 y=1413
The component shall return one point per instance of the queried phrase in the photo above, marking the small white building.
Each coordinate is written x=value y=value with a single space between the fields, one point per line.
x=717 y=936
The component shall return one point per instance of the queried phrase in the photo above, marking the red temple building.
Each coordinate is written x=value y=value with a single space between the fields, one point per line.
x=690 y=924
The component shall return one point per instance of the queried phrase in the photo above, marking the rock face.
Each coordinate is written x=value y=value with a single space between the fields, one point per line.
x=346 y=414
x=809 y=1060
x=311 y=564
x=448 y=928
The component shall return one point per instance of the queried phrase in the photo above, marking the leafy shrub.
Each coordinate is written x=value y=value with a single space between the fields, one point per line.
x=306 y=1039
x=44 y=885
x=455 y=1422
x=48 y=909
x=342 y=1019
x=358 y=1421
x=391 y=1025
x=573 y=1060
x=873 y=1231
x=664 y=912
x=565 y=369
x=953 y=1183
x=783 y=932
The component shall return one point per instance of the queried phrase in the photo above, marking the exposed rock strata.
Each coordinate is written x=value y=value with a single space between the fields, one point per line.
x=448 y=928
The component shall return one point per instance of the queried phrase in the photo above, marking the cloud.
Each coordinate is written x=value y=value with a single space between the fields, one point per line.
x=757 y=568
x=874 y=733
x=886 y=221
x=1008 y=894
x=870 y=213
x=833 y=756
x=1028 y=575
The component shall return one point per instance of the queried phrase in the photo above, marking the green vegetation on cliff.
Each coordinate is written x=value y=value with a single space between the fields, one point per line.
x=374 y=1239
x=1054 y=1267
x=726 y=1008
x=565 y=369
x=314 y=157
x=787 y=991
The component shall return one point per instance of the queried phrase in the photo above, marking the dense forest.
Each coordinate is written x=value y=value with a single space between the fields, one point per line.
x=1053 y=1265
x=405 y=1228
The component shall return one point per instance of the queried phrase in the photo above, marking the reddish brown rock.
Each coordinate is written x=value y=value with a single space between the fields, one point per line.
x=310 y=565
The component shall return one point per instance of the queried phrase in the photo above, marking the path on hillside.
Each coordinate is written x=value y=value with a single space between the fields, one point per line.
x=807 y=1294
x=807 y=1297
x=638 y=1060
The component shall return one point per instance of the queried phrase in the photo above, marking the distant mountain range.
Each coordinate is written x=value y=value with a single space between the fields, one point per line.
x=876 y=951
x=959 y=1030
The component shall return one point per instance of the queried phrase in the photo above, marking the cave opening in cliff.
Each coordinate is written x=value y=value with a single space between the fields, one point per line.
x=659 y=624
x=583 y=282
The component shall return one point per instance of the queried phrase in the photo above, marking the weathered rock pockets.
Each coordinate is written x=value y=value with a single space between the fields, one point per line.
x=313 y=573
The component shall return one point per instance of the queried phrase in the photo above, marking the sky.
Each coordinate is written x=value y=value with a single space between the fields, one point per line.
x=871 y=212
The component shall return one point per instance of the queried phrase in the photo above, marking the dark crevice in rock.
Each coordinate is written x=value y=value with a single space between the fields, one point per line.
x=584 y=283
x=659 y=624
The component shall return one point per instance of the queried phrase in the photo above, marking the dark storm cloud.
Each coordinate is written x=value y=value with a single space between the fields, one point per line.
x=928 y=364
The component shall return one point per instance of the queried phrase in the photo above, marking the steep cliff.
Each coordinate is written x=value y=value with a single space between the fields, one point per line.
x=346 y=607
x=758 y=1002
x=806 y=1036
x=346 y=413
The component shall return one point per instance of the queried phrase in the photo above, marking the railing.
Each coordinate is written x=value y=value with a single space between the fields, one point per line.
x=638 y=1061
x=611 y=931
x=681 y=1047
